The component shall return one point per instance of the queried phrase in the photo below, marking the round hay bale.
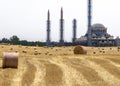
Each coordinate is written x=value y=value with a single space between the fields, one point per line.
x=103 y=51
x=118 y=47
x=94 y=52
x=10 y=60
x=80 y=50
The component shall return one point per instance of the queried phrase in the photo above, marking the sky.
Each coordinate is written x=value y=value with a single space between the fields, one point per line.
x=27 y=18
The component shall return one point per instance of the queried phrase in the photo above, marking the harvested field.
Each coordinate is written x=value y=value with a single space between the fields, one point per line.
x=59 y=66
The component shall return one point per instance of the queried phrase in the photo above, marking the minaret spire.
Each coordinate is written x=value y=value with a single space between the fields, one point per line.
x=48 y=41
x=74 y=30
x=89 y=42
x=48 y=15
x=61 y=13
x=61 y=41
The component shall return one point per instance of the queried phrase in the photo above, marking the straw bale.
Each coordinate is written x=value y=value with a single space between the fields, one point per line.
x=10 y=60
x=80 y=50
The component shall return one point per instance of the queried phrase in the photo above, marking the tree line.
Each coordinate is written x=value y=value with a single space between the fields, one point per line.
x=14 y=40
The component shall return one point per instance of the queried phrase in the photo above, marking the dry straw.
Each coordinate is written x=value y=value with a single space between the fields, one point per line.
x=10 y=60
x=80 y=50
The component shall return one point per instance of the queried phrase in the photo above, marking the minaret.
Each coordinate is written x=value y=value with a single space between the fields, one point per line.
x=48 y=41
x=89 y=43
x=74 y=30
x=61 y=41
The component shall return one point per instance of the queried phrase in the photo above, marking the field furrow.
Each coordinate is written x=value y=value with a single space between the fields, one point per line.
x=115 y=60
x=115 y=71
x=112 y=72
x=71 y=77
x=109 y=80
x=53 y=75
x=29 y=75
x=89 y=74
x=17 y=79
x=8 y=75
x=1 y=76
x=39 y=74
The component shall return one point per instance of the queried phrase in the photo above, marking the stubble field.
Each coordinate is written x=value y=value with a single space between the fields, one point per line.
x=58 y=66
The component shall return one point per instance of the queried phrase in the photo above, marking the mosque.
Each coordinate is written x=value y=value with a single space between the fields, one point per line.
x=96 y=34
x=99 y=37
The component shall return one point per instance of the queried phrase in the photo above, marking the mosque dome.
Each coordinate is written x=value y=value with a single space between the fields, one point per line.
x=97 y=25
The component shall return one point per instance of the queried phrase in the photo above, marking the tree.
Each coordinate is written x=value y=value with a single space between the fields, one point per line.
x=14 y=39
x=5 y=40
x=23 y=42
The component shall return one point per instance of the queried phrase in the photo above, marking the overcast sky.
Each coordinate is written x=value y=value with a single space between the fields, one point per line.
x=27 y=18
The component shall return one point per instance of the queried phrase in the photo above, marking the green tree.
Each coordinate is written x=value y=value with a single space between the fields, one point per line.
x=14 y=39
x=5 y=40
x=23 y=42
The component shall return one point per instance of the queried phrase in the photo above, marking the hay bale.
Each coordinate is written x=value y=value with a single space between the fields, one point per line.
x=35 y=48
x=11 y=48
x=80 y=50
x=39 y=53
x=16 y=51
x=103 y=51
x=36 y=53
x=110 y=48
x=50 y=54
x=46 y=53
x=51 y=48
x=118 y=47
x=94 y=52
x=24 y=51
x=10 y=60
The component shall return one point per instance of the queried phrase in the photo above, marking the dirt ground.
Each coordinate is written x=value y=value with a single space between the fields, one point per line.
x=58 y=66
